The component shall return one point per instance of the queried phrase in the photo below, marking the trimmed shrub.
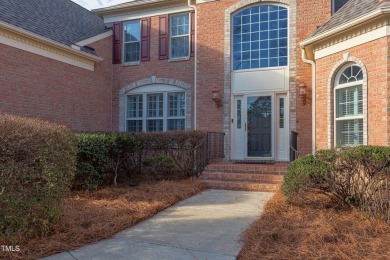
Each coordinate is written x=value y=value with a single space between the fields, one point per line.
x=304 y=174
x=100 y=157
x=357 y=177
x=361 y=178
x=177 y=145
x=37 y=165
x=93 y=160
x=159 y=167
x=105 y=157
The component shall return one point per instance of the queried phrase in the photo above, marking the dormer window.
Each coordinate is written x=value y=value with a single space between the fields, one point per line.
x=337 y=4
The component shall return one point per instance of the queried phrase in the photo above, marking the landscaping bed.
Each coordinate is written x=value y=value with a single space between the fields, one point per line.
x=317 y=230
x=90 y=217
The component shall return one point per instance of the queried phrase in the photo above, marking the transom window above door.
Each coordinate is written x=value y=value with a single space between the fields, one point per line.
x=260 y=37
x=150 y=112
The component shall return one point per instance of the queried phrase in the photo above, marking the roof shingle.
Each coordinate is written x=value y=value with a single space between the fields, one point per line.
x=351 y=10
x=60 y=20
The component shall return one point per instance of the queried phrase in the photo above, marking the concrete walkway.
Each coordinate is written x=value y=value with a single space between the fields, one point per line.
x=205 y=226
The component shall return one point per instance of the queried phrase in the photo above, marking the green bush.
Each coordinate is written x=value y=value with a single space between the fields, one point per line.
x=37 y=165
x=99 y=158
x=159 y=167
x=104 y=157
x=303 y=174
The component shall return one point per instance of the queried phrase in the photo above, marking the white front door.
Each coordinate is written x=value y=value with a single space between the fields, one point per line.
x=260 y=127
x=282 y=128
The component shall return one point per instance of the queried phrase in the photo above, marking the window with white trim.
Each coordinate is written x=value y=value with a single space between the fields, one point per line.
x=151 y=112
x=348 y=95
x=131 y=41
x=260 y=37
x=179 y=35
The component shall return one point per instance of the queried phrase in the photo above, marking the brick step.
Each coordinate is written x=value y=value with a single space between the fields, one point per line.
x=254 y=178
x=250 y=169
x=242 y=185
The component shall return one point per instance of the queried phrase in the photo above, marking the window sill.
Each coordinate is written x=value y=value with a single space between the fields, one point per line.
x=130 y=64
x=179 y=59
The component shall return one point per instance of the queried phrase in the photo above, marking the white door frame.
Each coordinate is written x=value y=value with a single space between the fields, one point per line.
x=244 y=114
x=286 y=129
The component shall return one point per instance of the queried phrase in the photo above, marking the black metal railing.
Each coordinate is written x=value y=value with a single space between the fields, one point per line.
x=215 y=145
x=293 y=146
x=210 y=148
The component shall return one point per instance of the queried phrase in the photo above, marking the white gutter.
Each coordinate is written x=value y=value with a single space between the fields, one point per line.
x=195 y=61
x=345 y=26
x=129 y=4
x=50 y=42
x=313 y=93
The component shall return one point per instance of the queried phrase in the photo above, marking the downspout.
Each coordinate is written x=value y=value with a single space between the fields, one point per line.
x=195 y=60
x=313 y=109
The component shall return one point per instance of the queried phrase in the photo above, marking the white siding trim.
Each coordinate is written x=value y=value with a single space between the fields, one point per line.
x=45 y=53
x=94 y=38
x=139 y=15
x=356 y=41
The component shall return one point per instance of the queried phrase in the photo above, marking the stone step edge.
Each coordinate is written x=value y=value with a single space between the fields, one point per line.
x=257 y=178
x=231 y=185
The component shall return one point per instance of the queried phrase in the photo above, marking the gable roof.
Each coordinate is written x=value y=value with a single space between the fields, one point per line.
x=60 y=20
x=351 y=10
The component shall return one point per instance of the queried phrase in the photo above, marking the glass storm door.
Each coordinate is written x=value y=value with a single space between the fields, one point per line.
x=259 y=120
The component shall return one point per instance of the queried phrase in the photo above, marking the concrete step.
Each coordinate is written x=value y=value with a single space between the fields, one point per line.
x=242 y=185
x=250 y=177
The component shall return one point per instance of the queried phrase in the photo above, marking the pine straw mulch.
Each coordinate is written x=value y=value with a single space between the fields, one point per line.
x=90 y=217
x=316 y=230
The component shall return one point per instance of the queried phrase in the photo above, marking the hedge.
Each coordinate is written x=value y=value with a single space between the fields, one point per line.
x=37 y=166
x=105 y=157
x=99 y=157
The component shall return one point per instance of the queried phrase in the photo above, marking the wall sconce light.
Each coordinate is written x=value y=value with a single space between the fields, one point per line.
x=302 y=93
x=216 y=97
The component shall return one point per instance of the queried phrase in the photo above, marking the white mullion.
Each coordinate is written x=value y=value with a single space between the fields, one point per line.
x=144 y=111
x=165 y=112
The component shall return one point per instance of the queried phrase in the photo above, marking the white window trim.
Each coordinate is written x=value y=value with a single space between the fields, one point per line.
x=123 y=44
x=183 y=35
x=165 y=117
x=343 y=86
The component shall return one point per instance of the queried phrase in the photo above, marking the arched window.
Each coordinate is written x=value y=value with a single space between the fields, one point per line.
x=260 y=37
x=348 y=99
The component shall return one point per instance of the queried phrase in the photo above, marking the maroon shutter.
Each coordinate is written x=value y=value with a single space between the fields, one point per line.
x=192 y=40
x=145 y=39
x=117 y=44
x=163 y=45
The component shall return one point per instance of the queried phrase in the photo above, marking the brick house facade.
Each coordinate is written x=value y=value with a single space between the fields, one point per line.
x=162 y=62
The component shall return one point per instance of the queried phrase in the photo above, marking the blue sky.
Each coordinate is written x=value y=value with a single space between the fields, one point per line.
x=93 y=4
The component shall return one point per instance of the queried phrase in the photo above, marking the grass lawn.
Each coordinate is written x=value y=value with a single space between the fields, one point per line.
x=316 y=230
x=90 y=217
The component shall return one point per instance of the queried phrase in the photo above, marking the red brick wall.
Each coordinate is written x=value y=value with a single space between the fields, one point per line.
x=125 y=75
x=36 y=86
x=310 y=14
x=373 y=55
x=211 y=17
